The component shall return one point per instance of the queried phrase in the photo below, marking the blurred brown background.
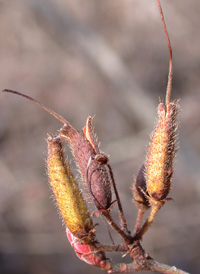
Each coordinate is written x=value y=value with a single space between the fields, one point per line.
x=110 y=59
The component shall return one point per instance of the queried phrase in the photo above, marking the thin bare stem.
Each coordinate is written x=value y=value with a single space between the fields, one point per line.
x=169 y=84
x=126 y=237
x=57 y=116
x=112 y=248
x=139 y=219
x=154 y=210
x=121 y=212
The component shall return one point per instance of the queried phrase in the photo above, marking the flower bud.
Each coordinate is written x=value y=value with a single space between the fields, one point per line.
x=96 y=175
x=88 y=253
x=68 y=196
x=162 y=149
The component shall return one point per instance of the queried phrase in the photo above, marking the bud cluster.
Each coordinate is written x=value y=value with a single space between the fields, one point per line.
x=150 y=187
x=153 y=182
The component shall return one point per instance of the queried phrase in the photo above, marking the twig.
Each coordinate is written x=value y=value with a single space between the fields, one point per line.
x=121 y=212
x=142 y=261
x=110 y=248
x=165 y=269
x=139 y=219
x=127 y=238
x=151 y=265
x=154 y=210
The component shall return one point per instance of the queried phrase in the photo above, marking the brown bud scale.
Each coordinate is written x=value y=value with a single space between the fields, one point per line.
x=139 y=188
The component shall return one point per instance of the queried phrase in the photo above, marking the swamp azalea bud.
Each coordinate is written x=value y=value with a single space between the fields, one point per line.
x=92 y=171
x=88 y=253
x=161 y=154
x=139 y=189
x=68 y=196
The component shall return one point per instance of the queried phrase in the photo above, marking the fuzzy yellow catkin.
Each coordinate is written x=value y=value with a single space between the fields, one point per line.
x=68 y=196
x=161 y=153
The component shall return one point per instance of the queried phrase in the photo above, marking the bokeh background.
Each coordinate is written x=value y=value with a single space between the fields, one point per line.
x=105 y=58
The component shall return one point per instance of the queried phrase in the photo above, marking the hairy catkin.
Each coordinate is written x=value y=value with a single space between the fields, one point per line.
x=161 y=153
x=68 y=196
